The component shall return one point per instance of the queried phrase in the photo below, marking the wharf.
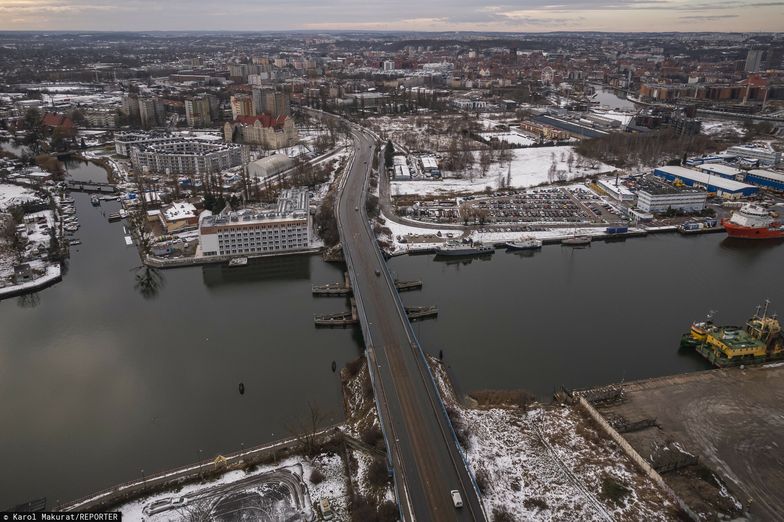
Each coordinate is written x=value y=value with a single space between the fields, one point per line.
x=729 y=419
x=344 y=319
x=344 y=289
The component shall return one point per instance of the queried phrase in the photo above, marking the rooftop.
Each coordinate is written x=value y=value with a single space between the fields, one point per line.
x=704 y=178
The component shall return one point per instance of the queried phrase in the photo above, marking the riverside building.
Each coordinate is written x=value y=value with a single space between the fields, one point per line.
x=254 y=231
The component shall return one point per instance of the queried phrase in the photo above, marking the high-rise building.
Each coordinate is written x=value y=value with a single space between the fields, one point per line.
x=130 y=107
x=241 y=105
x=151 y=112
x=753 y=60
x=200 y=111
x=268 y=101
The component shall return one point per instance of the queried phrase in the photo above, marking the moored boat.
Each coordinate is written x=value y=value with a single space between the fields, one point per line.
x=524 y=243
x=753 y=221
x=577 y=241
x=760 y=341
x=453 y=248
x=238 y=261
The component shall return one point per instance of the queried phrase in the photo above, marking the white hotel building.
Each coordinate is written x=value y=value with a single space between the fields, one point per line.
x=249 y=232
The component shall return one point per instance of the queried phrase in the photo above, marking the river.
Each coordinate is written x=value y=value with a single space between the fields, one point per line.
x=607 y=96
x=99 y=382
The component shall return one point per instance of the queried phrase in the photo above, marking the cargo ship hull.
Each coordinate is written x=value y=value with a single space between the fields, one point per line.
x=742 y=232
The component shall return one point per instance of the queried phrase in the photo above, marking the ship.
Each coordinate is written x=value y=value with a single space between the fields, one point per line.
x=753 y=221
x=524 y=243
x=453 y=248
x=577 y=241
x=760 y=341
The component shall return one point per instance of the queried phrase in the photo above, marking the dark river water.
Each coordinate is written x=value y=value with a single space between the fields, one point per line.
x=98 y=383
x=607 y=96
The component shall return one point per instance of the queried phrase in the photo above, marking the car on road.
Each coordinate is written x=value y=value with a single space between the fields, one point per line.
x=378 y=272
x=457 y=500
x=356 y=209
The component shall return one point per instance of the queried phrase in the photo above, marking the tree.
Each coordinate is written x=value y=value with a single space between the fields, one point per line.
x=485 y=160
x=389 y=154
x=306 y=430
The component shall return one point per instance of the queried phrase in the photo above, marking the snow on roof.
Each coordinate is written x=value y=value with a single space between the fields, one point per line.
x=704 y=178
x=718 y=168
x=767 y=174
x=181 y=210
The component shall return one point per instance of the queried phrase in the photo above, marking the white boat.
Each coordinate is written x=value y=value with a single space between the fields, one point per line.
x=94 y=200
x=453 y=248
x=238 y=261
x=524 y=243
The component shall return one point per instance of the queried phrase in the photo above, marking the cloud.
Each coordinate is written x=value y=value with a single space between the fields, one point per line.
x=438 y=15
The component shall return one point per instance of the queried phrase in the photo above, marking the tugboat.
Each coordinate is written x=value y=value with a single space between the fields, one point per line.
x=753 y=222
x=94 y=200
x=524 y=243
x=761 y=340
x=453 y=248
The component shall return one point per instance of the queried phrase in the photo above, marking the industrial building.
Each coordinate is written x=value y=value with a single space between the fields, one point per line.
x=726 y=188
x=725 y=171
x=655 y=196
x=764 y=154
x=270 y=166
x=766 y=178
x=616 y=189
x=252 y=231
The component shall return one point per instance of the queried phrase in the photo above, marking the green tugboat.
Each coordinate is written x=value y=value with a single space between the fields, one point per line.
x=760 y=341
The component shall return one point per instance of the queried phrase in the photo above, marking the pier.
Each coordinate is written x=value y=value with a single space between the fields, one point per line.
x=90 y=186
x=344 y=289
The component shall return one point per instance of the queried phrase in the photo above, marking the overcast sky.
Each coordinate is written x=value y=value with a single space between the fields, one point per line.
x=420 y=15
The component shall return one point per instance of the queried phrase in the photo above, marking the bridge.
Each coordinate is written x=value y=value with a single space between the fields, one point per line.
x=90 y=186
x=427 y=462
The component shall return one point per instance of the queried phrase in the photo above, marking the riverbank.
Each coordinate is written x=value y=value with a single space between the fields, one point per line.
x=53 y=275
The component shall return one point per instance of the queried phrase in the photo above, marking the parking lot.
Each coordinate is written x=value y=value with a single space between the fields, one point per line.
x=552 y=206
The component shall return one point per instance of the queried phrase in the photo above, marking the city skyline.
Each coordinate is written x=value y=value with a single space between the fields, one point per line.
x=405 y=15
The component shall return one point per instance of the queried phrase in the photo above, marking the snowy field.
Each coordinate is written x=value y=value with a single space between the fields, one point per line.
x=11 y=195
x=550 y=463
x=512 y=137
x=530 y=167
x=333 y=486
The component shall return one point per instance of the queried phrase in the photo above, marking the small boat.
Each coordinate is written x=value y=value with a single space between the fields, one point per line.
x=577 y=241
x=109 y=198
x=94 y=200
x=238 y=261
x=524 y=243
x=74 y=242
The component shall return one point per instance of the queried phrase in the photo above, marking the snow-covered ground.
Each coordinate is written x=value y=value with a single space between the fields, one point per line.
x=623 y=117
x=550 y=463
x=333 y=486
x=512 y=137
x=529 y=167
x=11 y=195
x=722 y=127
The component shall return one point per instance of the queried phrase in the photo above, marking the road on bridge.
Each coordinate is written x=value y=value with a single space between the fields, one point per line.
x=426 y=459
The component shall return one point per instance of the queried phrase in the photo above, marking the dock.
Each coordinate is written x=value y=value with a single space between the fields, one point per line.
x=344 y=289
x=344 y=319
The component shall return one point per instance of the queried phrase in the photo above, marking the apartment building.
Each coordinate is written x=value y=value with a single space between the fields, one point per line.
x=183 y=156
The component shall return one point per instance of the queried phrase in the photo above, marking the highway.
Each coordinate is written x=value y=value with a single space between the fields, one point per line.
x=424 y=454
